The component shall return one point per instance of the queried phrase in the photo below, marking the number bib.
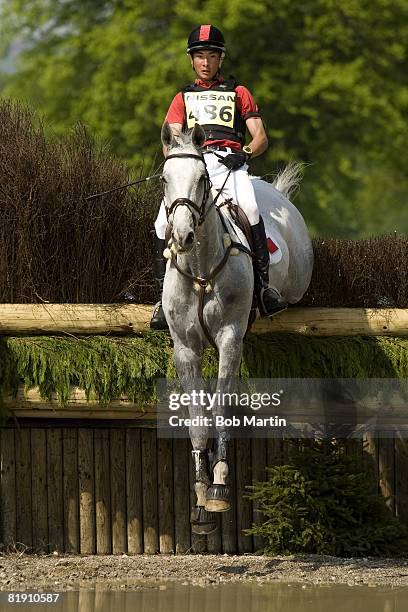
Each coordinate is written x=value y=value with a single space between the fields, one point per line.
x=212 y=108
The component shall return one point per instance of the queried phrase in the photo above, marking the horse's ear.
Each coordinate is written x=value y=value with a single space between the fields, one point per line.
x=198 y=136
x=166 y=134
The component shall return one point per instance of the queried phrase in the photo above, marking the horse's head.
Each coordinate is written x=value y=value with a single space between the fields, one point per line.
x=186 y=184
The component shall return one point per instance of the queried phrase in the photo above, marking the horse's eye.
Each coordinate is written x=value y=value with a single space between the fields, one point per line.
x=163 y=180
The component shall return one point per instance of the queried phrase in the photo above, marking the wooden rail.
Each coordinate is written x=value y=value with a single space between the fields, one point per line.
x=28 y=403
x=17 y=319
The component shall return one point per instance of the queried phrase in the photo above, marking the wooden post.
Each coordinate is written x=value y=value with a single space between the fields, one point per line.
x=70 y=486
x=118 y=490
x=55 y=491
x=386 y=469
x=259 y=461
x=38 y=470
x=181 y=451
x=102 y=492
x=134 y=492
x=370 y=447
x=243 y=478
x=274 y=451
x=149 y=480
x=165 y=494
x=23 y=488
x=86 y=491
x=8 y=488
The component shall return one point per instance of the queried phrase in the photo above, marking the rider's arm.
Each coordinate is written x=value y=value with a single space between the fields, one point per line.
x=250 y=112
x=176 y=129
x=259 y=142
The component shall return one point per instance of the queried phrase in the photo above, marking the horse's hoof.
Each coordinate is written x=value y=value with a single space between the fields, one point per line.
x=202 y=521
x=217 y=498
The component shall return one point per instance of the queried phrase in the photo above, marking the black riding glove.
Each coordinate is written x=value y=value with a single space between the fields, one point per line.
x=234 y=161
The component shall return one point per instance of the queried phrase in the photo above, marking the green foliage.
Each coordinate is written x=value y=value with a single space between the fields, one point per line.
x=291 y=356
x=330 y=79
x=325 y=502
x=109 y=367
x=106 y=368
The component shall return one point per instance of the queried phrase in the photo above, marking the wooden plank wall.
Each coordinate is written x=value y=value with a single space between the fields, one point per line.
x=110 y=490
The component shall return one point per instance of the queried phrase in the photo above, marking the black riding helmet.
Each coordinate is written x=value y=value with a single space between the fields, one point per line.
x=206 y=37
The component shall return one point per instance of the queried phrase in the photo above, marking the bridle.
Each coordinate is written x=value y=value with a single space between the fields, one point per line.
x=201 y=210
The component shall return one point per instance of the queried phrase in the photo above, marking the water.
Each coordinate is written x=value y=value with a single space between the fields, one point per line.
x=242 y=597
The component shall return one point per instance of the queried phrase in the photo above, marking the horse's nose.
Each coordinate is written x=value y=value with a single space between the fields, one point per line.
x=183 y=241
x=189 y=238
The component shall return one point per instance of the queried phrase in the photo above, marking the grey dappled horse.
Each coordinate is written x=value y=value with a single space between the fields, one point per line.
x=205 y=268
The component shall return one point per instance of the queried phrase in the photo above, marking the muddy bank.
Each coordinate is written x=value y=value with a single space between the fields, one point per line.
x=19 y=571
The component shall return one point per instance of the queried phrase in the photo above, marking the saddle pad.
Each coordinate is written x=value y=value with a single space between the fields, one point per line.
x=273 y=242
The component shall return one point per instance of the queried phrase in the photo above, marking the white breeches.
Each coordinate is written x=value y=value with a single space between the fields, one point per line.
x=238 y=187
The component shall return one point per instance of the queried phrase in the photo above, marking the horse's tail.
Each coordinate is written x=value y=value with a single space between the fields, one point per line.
x=288 y=179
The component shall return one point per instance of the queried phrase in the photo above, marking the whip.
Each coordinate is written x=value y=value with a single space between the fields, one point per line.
x=98 y=195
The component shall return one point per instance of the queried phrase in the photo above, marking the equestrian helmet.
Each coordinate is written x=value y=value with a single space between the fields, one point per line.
x=206 y=37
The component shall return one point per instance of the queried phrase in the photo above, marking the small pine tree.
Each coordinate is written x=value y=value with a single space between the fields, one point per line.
x=325 y=502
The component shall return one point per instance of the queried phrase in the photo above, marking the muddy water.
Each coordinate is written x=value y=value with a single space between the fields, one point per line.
x=239 y=597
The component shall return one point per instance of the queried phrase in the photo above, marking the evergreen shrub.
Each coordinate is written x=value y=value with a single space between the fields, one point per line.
x=325 y=502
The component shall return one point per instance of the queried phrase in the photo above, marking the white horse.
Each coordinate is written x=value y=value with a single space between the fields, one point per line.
x=207 y=294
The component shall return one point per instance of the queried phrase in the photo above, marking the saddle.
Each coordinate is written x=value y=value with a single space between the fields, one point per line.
x=240 y=219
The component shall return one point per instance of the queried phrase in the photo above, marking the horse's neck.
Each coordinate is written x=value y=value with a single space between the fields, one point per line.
x=209 y=246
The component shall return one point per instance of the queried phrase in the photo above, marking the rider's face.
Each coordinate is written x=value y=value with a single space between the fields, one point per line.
x=206 y=64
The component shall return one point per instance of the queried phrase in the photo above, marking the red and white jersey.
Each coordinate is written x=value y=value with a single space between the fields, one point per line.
x=244 y=105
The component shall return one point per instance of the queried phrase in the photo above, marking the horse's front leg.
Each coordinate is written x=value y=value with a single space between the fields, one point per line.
x=188 y=366
x=230 y=353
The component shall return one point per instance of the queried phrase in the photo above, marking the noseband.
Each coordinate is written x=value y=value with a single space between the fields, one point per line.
x=186 y=201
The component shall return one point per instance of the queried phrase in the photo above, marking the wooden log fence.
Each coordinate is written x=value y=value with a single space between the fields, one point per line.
x=16 y=319
x=95 y=479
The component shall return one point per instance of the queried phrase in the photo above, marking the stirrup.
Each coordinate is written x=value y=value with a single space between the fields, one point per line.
x=276 y=302
x=158 y=320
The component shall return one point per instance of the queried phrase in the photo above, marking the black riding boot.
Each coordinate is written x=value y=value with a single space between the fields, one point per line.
x=270 y=301
x=158 y=320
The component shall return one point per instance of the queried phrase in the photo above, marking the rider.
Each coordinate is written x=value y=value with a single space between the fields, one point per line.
x=224 y=114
